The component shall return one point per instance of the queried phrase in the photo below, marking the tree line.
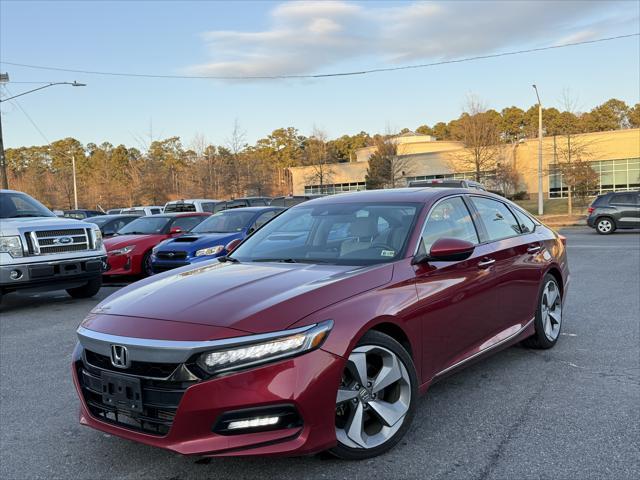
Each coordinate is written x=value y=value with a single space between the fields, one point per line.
x=159 y=170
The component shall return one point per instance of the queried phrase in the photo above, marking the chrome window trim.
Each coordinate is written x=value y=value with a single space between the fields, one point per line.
x=448 y=197
x=170 y=351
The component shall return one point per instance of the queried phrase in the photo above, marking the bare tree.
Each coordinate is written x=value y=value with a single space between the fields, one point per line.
x=479 y=131
x=387 y=169
x=237 y=172
x=318 y=158
x=572 y=153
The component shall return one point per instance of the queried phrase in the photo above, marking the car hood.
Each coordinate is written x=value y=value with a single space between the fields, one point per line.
x=252 y=297
x=195 y=241
x=40 y=222
x=120 y=241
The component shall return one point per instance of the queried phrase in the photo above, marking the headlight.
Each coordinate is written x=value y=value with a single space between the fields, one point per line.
x=97 y=236
x=11 y=245
x=210 y=251
x=256 y=350
x=123 y=250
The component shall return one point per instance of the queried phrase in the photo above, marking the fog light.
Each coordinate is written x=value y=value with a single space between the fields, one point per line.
x=253 y=423
x=15 y=274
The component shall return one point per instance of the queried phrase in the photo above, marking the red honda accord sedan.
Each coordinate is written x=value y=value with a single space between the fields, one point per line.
x=321 y=329
x=129 y=252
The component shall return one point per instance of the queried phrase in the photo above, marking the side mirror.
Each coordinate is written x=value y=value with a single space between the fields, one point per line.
x=232 y=245
x=447 y=250
x=175 y=231
x=251 y=230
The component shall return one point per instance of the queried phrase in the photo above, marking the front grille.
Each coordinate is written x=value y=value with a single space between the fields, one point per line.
x=142 y=369
x=160 y=398
x=171 y=255
x=48 y=242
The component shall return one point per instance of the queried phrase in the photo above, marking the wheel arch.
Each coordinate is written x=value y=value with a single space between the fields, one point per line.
x=554 y=271
x=396 y=332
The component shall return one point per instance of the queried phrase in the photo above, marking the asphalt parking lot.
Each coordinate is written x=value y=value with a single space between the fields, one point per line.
x=570 y=412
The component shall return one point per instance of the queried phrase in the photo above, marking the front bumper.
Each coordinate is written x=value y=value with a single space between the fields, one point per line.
x=127 y=264
x=54 y=274
x=308 y=383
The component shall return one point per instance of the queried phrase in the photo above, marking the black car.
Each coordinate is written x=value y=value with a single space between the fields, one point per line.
x=110 y=224
x=615 y=210
x=81 y=213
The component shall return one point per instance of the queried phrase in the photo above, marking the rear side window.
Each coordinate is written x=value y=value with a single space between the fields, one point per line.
x=625 y=199
x=449 y=219
x=526 y=224
x=155 y=211
x=264 y=218
x=208 y=207
x=180 y=207
x=498 y=220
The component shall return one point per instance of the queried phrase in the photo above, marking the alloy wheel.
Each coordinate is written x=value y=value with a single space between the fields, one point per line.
x=605 y=226
x=551 y=310
x=373 y=398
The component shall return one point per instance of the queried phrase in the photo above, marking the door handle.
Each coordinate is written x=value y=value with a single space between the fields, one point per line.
x=534 y=249
x=486 y=262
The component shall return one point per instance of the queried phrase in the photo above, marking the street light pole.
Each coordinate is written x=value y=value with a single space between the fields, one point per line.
x=4 y=78
x=540 y=193
x=75 y=186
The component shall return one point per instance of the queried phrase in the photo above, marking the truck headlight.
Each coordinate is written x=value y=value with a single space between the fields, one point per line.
x=122 y=251
x=256 y=350
x=97 y=239
x=210 y=251
x=11 y=245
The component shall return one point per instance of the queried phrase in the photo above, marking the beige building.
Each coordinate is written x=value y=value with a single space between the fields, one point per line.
x=614 y=155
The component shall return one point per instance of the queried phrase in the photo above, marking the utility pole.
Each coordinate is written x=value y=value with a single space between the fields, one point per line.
x=75 y=186
x=4 y=78
x=540 y=192
x=4 y=182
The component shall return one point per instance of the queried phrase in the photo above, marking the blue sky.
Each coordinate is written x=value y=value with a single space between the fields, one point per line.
x=275 y=38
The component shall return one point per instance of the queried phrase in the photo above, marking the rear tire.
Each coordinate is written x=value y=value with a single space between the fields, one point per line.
x=548 y=321
x=605 y=226
x=374 y=413
x=89 y=289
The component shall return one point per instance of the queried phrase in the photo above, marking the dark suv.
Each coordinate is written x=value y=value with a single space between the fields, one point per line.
x=615 y=210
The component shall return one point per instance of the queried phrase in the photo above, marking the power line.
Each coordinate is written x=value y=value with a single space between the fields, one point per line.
x=321 y=75
x=17 y=104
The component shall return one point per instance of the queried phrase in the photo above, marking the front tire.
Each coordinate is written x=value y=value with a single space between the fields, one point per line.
x=376 y=399
x=89 y=289
x=147 y=267
x=605 y=226
x=548 y=321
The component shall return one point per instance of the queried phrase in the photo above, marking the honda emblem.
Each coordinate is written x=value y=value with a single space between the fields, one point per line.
x=120 y=356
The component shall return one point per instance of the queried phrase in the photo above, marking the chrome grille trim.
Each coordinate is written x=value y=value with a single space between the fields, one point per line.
x=43 y=242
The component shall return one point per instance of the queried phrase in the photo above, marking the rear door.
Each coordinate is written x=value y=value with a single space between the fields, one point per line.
x=627 y=205
x=511 y=252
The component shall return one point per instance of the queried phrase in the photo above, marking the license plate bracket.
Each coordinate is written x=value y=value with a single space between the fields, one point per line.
x=121 y=392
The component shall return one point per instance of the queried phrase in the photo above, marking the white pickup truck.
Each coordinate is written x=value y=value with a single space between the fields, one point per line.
x=39 y=250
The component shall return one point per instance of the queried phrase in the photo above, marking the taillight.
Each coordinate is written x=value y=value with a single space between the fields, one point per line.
x=590 y=209
x=563 y=239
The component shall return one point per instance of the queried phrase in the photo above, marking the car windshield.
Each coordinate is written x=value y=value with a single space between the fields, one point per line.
x=339 y=234
x=145 y=226
x=228 y=221
x=16 y=205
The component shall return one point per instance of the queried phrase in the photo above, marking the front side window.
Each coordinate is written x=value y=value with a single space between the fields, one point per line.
x=339 y=234
x=496 y=218
x=448 y=219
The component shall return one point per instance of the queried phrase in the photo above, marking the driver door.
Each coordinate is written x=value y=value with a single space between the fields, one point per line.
x=453 y=297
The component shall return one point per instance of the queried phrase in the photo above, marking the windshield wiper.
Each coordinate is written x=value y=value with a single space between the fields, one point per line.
x=226 y=258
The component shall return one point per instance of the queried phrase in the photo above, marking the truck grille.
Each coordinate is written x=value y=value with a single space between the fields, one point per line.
x=160 y=398
x=48 y=242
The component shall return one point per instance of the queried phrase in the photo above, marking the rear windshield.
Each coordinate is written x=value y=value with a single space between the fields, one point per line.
x=180 y=207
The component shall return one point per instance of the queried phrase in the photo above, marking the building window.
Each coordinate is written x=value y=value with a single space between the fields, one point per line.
x=486 y=178
x=332 y=188
x=613 y=176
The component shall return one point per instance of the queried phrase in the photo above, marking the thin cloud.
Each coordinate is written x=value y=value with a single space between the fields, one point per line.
x=312 y=37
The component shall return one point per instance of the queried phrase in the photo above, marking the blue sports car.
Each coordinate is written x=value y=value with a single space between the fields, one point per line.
x=209 y=239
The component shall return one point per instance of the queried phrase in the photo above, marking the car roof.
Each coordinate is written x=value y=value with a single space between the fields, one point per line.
x=252 y=209
x=110 y=216
x=409 y=194
x=191 y=200
x=177 y=214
